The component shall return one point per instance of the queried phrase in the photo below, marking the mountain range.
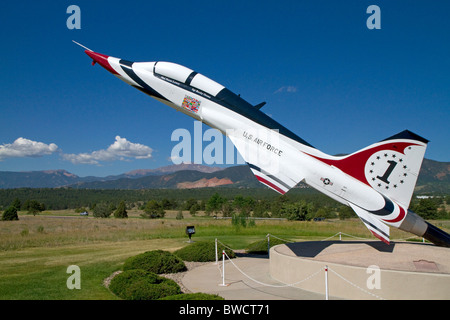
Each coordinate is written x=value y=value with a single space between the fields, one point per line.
x=434 y=177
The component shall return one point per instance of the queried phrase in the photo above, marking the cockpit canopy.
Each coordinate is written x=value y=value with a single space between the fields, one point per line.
x=187 y=76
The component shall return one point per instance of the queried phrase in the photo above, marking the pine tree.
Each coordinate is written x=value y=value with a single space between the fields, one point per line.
x=121 y=211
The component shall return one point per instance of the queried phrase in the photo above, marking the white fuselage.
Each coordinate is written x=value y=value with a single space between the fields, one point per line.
x=277 y=157
x=377 y=182
x=325 y=178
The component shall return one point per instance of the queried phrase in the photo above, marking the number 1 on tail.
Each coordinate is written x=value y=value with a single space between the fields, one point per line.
x=388 y=172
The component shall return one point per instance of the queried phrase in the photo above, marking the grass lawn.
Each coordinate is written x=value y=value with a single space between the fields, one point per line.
x=36 y=251
x=41 y=272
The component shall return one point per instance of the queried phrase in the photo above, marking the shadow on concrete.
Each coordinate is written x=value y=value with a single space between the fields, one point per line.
x=311 y=249
x=251 y=255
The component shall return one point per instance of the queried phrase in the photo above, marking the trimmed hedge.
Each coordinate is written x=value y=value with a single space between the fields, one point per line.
x=260 y=247
x=142 y=285
x=203 y=251
x=156 y=261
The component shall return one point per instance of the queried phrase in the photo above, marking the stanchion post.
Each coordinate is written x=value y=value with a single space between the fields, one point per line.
x=340 y=236
x=223 y=270
x=217 y=258
x=223 y=267
x=326 y=282
x=268 y=243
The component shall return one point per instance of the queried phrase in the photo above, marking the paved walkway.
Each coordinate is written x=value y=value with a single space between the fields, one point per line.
x=256 y=284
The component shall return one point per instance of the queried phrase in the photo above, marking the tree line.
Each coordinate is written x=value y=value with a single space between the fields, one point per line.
x=154 y=204
x=69 y=198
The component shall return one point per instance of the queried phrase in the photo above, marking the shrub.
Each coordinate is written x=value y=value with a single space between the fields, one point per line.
x=120 y=283
x=10 y=214
x=142 y=285
x=146 y=290
x=156 y=261
x=296 y=211
x=260 y=247
x=193 y=296
x=153 y=209
x=203 y=251
x=102 y=210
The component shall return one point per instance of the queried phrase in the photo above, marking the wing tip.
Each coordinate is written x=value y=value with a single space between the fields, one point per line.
x=385 y=240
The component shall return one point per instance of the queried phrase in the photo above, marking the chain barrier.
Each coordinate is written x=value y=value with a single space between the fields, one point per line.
x=349 y=235
x=356 y=286
x=284 y=240
x=272 y=285
x=340 y=234
x=295 y=284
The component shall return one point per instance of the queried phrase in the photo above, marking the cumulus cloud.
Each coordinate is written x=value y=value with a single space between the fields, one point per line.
x=26 y=148
x=121 y=149
x=289 y=89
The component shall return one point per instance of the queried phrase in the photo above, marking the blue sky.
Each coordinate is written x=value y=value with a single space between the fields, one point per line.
x=322 y=72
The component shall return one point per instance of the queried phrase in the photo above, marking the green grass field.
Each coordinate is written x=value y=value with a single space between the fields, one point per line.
x=36 y=251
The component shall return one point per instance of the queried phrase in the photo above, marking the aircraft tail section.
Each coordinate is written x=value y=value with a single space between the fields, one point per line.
x=378 y=228
x=390 y=166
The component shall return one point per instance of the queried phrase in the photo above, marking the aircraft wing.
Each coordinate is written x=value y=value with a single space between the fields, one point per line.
x=259 y=150
x=378 y=228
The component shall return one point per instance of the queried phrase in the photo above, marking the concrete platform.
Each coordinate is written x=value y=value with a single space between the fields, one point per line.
x=365 y=269
x=255 y=284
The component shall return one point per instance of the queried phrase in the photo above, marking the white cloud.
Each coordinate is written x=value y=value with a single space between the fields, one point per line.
x=121 y=149
x=26 y=148
x=289 y=89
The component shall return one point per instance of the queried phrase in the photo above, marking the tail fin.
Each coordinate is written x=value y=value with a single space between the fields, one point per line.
x=394 y=167
x=390 y=166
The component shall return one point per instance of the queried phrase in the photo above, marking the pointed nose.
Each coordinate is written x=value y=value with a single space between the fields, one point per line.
x=101 y=59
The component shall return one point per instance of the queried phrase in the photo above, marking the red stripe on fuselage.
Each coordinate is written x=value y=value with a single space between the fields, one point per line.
x=380 y=237
x=270 y=184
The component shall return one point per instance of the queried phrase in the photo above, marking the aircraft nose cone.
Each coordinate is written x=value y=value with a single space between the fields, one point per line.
x=101 y=59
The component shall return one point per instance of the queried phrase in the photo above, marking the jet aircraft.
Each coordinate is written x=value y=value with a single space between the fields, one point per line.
x=377 y=182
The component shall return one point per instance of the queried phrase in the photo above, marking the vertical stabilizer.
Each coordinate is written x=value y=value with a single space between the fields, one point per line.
x=390 y=166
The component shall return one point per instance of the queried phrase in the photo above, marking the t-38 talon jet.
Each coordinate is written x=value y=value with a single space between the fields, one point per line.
x=377 y=182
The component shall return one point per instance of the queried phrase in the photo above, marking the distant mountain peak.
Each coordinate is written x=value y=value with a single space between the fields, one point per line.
x=174 y=168
x=60 y=172
x=434 y=177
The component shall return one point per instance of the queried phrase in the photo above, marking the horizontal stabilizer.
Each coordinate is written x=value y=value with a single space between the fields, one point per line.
x=378 y=228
